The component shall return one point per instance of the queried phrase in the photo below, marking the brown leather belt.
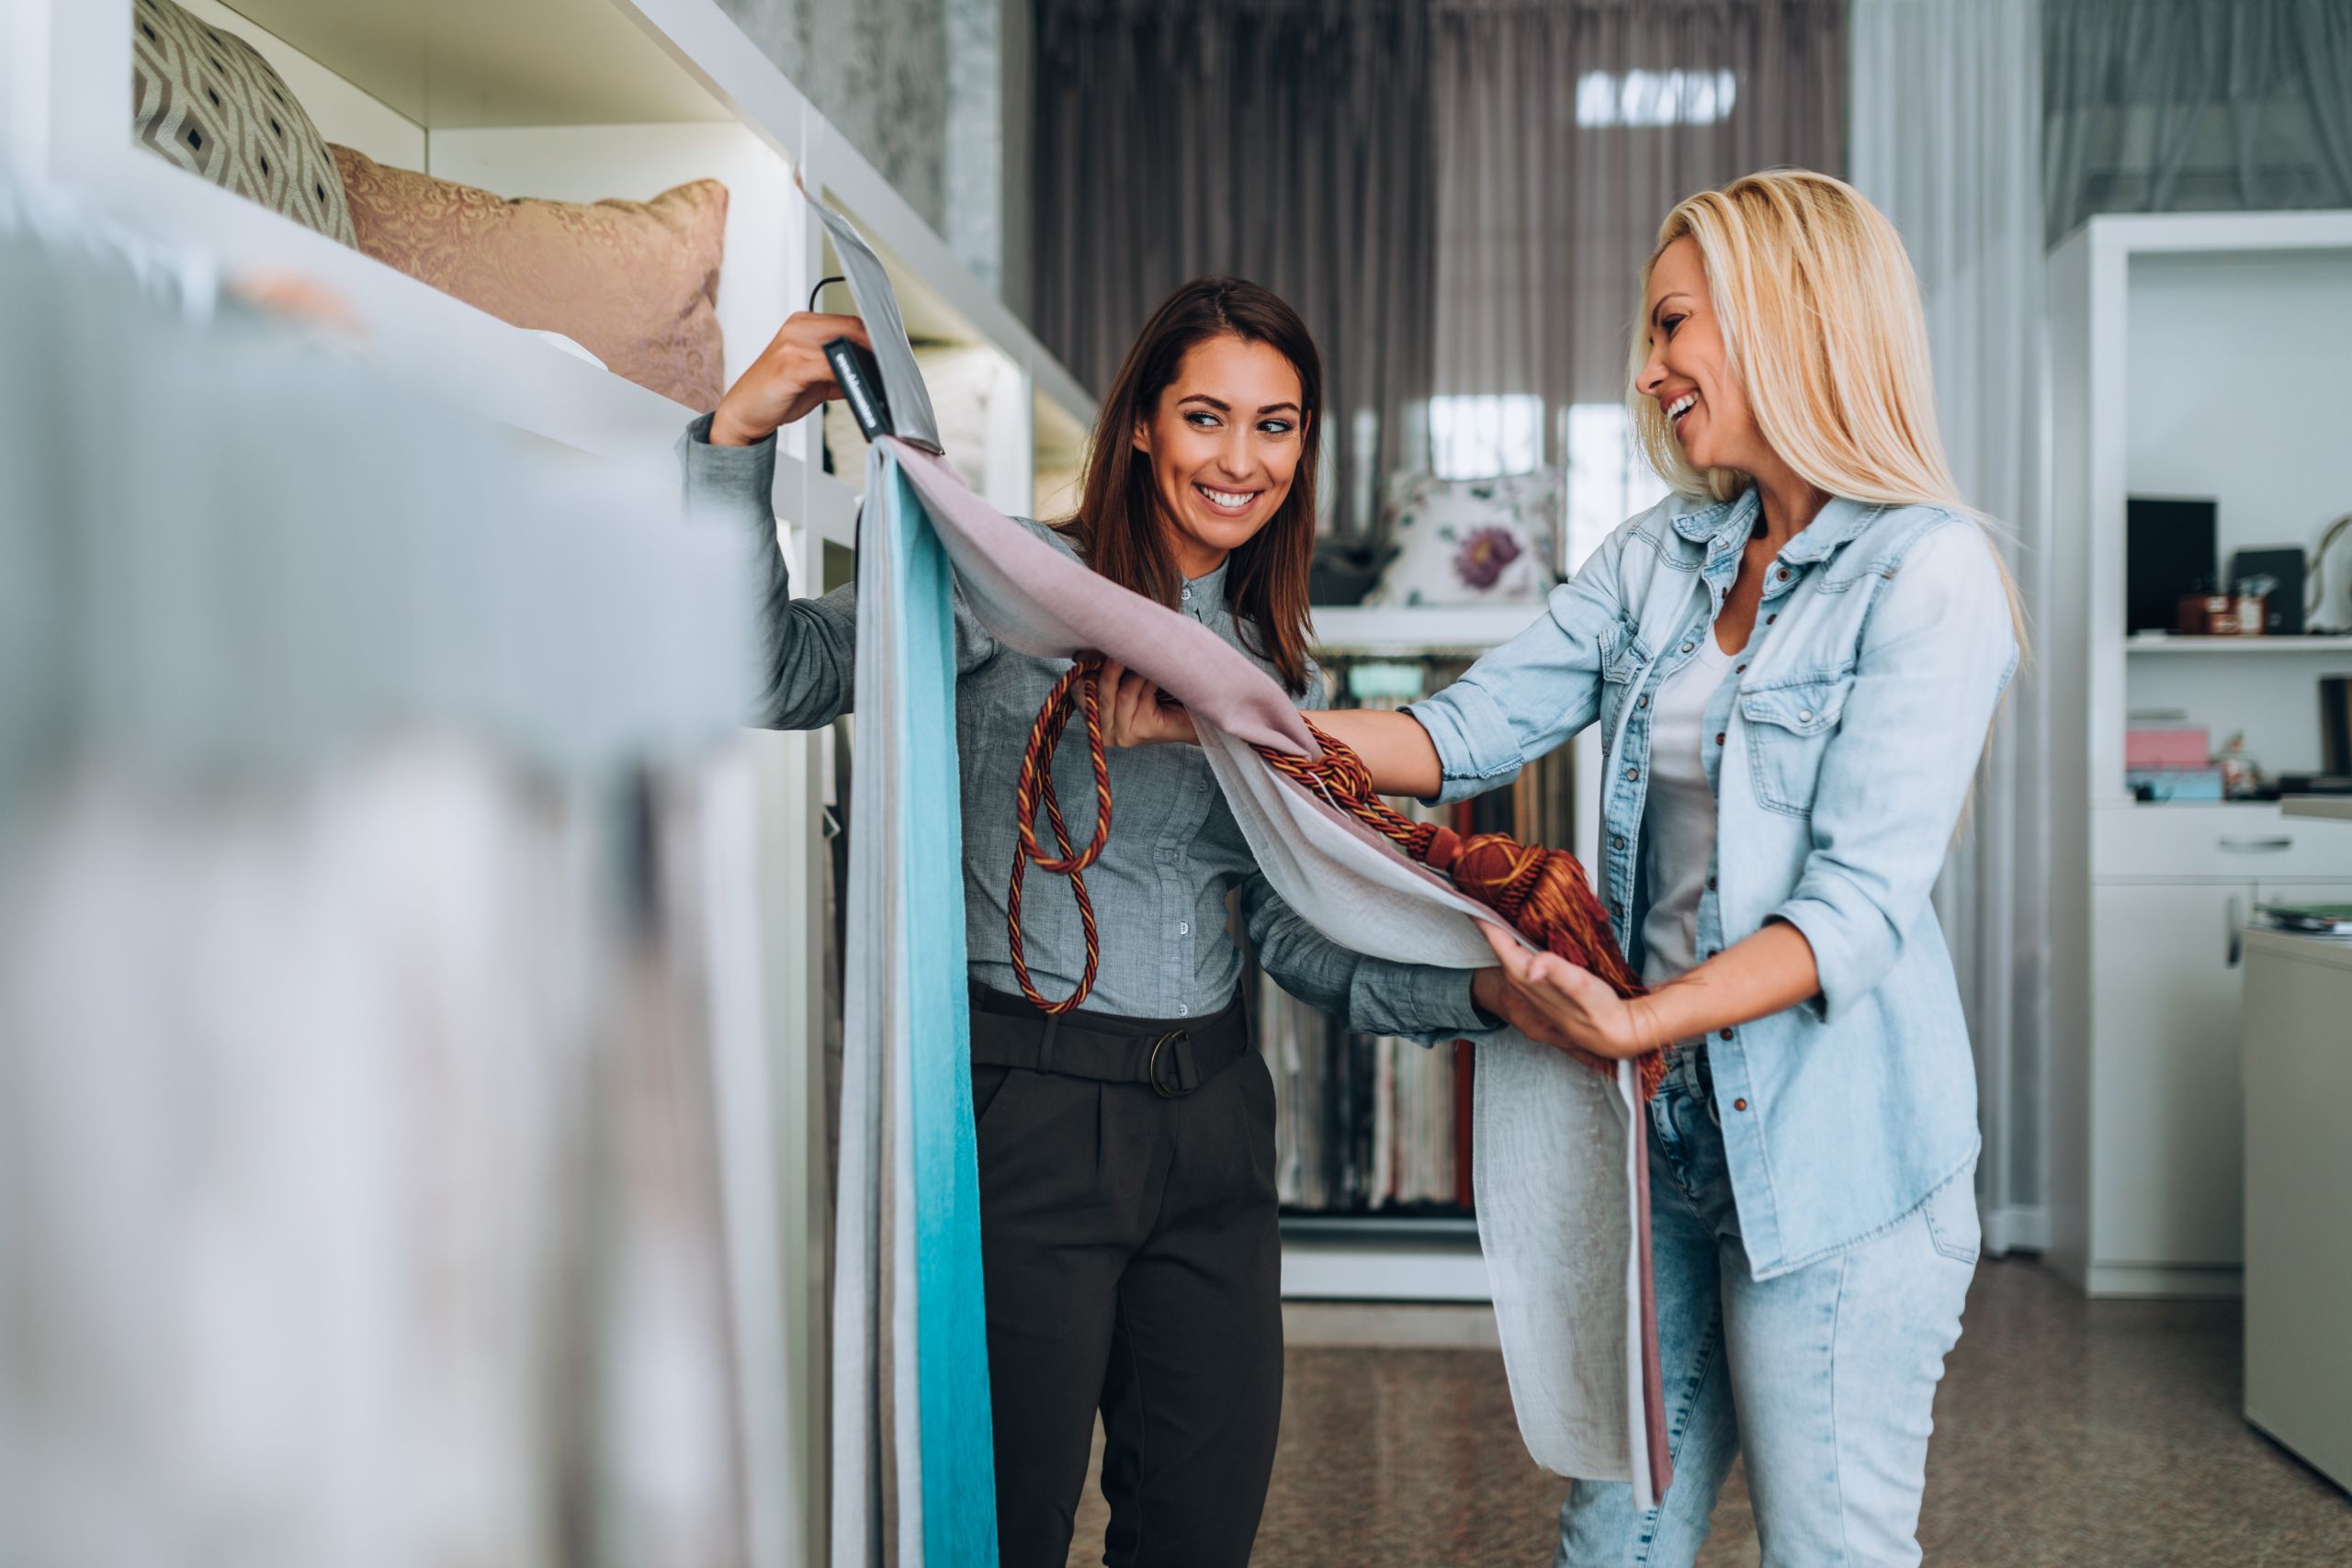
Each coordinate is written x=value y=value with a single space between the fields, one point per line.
x=1175 y=1056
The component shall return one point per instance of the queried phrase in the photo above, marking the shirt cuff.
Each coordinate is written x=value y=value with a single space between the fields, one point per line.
x=1816 y=921
x=729 y=471
x=1477 y=750
x=1444 y=998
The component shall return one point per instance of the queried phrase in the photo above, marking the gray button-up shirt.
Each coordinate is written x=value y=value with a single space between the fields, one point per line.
x=1174 y=851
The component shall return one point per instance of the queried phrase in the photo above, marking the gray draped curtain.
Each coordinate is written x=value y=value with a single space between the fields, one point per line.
x=1566 y=131
x=1281 y=141
x=1458 y=196
x=2161 y=105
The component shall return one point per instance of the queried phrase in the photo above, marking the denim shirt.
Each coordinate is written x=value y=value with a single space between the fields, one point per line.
x=1174 y=851
x=1841 y=746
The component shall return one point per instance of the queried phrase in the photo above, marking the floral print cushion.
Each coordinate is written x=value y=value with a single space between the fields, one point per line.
x=1471 y=541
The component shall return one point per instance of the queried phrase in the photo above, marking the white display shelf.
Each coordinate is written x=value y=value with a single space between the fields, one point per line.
x=1355 y=628
x=2199 y=646
x=452 y=70
x=1442 y=1267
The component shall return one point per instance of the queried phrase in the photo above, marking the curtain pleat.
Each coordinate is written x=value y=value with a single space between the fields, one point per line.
x=2161 y=105
x=1548 y=203
x=1946 y=133
x=1281 y=141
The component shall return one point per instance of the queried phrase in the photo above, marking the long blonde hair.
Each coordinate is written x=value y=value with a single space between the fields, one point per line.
x=1823 y=324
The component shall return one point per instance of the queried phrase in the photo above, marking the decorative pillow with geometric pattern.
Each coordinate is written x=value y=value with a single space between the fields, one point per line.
x=1471 y=541
x=207 y=100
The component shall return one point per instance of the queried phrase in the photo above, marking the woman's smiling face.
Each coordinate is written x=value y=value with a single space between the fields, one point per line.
x=1689 y=370
x=1223 y=445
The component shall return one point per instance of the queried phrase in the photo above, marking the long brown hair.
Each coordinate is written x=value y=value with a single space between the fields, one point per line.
x=1118 y=525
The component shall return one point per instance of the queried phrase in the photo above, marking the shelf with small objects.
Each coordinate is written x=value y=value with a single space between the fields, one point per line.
x=2170 y=337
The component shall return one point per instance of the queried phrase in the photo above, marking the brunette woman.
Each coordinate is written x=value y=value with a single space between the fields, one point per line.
x=1127 y=1206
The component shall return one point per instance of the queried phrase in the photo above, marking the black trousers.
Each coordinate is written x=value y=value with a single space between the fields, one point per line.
x=1133 y=1265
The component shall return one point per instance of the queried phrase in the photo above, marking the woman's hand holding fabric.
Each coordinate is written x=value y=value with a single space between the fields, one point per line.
x=1555 y=1003
x=1134 y=712
x=790 y=378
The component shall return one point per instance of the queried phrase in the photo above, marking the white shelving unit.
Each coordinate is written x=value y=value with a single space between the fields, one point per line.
x=580 y=100
x=2200 y=646
x=2169 y=335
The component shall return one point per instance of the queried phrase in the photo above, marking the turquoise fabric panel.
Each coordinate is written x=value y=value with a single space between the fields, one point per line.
x=958 y=1462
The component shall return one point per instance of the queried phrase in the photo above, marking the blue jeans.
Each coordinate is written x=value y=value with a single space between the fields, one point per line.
x=1825 y=1377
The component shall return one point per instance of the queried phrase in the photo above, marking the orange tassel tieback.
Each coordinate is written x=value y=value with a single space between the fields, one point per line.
x=1542 y=893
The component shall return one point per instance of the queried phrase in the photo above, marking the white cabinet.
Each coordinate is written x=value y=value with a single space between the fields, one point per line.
x=2164 y=1123
x=2298 y=1050
x=2162 y=1212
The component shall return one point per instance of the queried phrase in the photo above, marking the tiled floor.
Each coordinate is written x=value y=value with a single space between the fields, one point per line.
x=2067 y=1433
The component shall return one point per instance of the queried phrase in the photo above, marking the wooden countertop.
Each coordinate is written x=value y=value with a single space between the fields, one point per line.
x=2309 y=949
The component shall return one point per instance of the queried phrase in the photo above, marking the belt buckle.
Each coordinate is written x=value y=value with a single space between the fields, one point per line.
x=1151 y=1068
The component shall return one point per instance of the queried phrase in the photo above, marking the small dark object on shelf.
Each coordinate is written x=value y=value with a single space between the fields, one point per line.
x=2283 y=604
x=2169 y=553
x=2314 y=783
x=1344 y=569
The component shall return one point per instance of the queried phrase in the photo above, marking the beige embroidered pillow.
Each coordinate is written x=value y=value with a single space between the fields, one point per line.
x=636 y=283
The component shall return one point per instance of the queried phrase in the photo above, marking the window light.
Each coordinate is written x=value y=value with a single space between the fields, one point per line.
x=1606 y=98
x=1476 y=435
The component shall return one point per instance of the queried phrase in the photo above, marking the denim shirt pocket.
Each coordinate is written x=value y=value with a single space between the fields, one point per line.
x=1790 y=724
x=1621 y=665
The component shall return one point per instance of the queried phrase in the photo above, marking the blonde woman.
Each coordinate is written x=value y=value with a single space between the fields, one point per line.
x=1796 y=660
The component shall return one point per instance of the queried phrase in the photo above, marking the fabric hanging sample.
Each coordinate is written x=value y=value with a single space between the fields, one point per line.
x=385 y=1173
x=913 y=1468
x=1560 y=1177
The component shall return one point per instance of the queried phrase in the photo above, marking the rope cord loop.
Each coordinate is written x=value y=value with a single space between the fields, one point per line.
x=1080 y=686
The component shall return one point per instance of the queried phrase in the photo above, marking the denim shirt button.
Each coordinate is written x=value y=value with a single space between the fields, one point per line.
x=1641 y=702
x=1632 y=773
x=1689 y=646
x=1804 y=716
x=1726 y=1033
x=1739 y=1105
x=1617 y=841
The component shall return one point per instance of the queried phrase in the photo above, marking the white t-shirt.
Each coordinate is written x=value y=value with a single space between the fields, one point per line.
x=1678 y=819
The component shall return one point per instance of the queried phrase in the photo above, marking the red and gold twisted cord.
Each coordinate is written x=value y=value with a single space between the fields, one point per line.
x=1080 y=685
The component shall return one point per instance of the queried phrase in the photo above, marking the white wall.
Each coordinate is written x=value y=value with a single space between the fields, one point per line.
x=2240 y=376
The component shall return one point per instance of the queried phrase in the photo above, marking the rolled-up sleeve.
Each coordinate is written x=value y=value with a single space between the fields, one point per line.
x=1529 y=695
x=1937 y=651
x=808 y=661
